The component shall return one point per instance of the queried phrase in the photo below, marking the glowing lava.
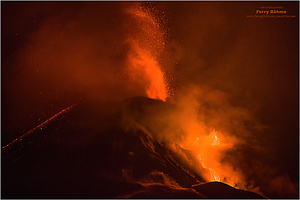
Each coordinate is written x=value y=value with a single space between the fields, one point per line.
x=147 y=70
x=146 y=43
x=210 y=149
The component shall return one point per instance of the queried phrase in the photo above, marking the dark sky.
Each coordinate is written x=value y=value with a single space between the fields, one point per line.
x=253 y=60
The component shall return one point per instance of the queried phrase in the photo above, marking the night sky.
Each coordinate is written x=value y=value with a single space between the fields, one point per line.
x=54 y=52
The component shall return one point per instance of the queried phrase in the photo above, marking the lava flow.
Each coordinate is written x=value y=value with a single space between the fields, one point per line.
x=209 y=149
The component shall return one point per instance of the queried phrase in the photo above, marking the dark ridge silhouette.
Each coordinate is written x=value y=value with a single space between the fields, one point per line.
x=217 y=190
x=161 y=191
x=85 y=153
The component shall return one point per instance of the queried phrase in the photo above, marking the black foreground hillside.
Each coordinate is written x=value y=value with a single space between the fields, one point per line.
x=86 y=153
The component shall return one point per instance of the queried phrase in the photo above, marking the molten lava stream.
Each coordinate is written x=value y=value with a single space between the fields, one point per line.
x=209 y=151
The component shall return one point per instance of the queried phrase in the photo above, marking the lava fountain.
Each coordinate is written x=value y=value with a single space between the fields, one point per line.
x=146 y=43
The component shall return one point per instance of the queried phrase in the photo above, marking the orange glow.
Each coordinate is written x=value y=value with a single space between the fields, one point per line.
x=207 y=145
x=146 y=68
x=216 y=140
x=146 y=43
x=209 y=149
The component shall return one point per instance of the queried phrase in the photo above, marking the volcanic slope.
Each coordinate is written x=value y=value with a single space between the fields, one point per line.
x=102 y=150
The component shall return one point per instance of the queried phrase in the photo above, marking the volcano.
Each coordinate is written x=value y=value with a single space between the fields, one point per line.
x=87 y=152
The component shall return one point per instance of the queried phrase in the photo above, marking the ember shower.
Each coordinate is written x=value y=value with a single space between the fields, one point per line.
x=193 y=56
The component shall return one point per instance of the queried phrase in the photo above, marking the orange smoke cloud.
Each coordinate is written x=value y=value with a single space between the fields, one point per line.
x=200 y=122
x=208 y=145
